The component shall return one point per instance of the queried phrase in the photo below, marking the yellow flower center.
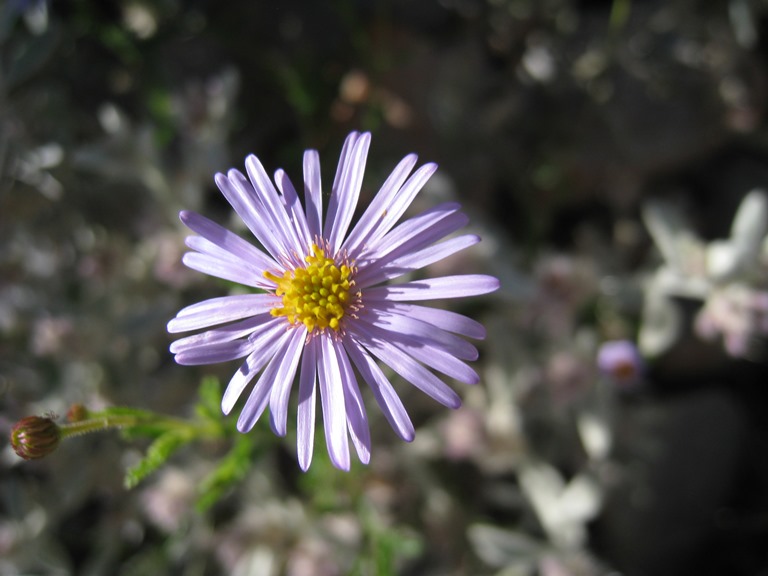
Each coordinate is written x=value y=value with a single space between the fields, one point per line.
x=317 y=296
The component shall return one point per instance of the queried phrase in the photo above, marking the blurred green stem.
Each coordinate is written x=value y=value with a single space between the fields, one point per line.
x=127 y=418
x=620 y=10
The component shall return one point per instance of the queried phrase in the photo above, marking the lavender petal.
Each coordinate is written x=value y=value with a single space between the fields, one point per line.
x=244 y=200
x=313 y=193
x=346 y=192
x=223 y=334
x=408 y=368
x=259 y=396
x=226 y=240
x=305 y=422
x=444 y=319
x=383 y=392
x=377 y=209
x=220 y=310
x=402 y=200
x=213 y=252
x=424 y=350
x=357 y=420
x=332 y=399
x=215 y=353
x=294 y=209
x=281 y=389
x=460 y=286
x=418 y=331
x=225 y=269
x=415 y=260
x=263 y=351
x=275 y=210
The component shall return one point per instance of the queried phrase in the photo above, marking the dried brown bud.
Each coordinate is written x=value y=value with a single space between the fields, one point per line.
x=35 y=437
x=77 y=413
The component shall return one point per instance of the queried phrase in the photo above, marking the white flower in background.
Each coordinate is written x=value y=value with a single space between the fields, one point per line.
x=738 y=257
x=736 y=313
x=730 y=276
x=563 y=507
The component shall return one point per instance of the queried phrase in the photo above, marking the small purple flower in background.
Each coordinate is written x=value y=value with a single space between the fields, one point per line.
x=325 y=307
x=620 y=362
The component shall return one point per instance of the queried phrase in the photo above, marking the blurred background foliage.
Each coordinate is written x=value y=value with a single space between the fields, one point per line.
x=602 y=148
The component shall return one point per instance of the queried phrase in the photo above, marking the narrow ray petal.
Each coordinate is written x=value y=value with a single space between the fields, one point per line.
x=220 y=310
x=272 y=235
x=242 y=197
x=378 y=208
x=416 y=330
x=249 y=330
x=226 y=240
x=438 y=359
x=344 y=198
x=426 y=350
x=294 y=208
x=224 y=269
x=445 y=319
x=305 y=424
x=281 y=389
x=332 y=398
x=274 y=207
x=415 y=260
x=225 y=333
x=259 y=397
x=263 y=350
x=213 y=252
x=408 y=368
x=459 y=286
x=313 y=193
x=419 y=231
x=258 y=302
x=341 y=170
x=402 y=200
x=214 y=353
x=382 y=390
x=344 y=156
x=357 y=420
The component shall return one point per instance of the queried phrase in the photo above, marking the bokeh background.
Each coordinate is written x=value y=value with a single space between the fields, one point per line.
x=602 y=149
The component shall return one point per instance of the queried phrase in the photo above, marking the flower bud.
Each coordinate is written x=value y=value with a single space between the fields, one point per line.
x=620 y=362
x=35 y=437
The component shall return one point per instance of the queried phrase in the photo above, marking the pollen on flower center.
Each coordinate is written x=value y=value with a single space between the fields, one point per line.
x=319 y=295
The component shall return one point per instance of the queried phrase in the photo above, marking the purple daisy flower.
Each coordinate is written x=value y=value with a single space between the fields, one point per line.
x=326 y=309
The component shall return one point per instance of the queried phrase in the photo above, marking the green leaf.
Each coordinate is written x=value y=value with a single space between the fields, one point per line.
x=231 y=469
x=157 y=453
x=209 y=405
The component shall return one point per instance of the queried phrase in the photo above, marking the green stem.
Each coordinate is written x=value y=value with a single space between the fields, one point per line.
x=97 y=424
x=620 y=11
x=114 y=419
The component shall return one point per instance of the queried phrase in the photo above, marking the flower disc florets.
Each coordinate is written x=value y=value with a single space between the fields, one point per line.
x=319 y=295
